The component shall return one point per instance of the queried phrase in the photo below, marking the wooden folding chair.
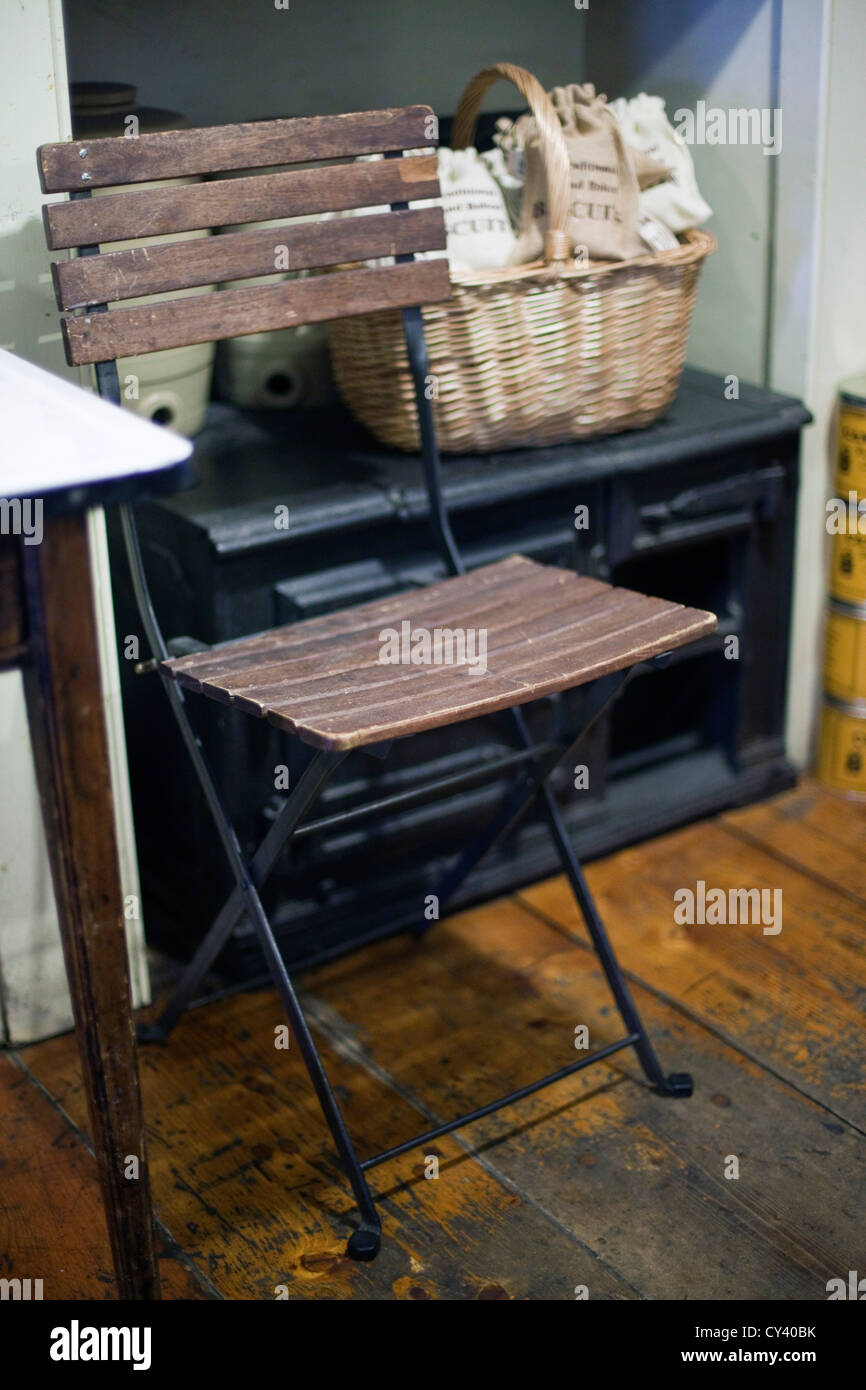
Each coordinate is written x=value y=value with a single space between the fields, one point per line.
x=324 y=680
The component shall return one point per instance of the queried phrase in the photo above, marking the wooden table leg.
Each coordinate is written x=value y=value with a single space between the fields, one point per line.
x=67 y=726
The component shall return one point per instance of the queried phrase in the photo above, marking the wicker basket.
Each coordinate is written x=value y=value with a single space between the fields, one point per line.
x=535 y=354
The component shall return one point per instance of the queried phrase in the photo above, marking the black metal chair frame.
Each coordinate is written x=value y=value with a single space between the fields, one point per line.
x=538 y=762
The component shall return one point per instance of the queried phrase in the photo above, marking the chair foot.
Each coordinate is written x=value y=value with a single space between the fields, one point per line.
x=678 y=1083
x=364 y=1243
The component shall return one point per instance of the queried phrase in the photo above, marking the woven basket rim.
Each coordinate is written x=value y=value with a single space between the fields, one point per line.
x=694 y=245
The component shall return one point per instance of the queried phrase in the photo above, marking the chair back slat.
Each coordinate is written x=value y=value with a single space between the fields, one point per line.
x=169 y=154
x=181 y=265
x=205 y=318
x=171 y=209
x=191 y=207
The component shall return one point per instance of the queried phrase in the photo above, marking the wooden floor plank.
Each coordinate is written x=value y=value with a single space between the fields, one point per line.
x=638 y=1177
x=811 y=827
x=243 y=1174
x=793 y=1001
x=52 y=1225
x=597 y=1182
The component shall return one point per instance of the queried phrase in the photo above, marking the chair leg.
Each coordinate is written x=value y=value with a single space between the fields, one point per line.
x=677 y=1083
x=519 y=800
x=532 y=785
x=316 y=774
x=364 y=1242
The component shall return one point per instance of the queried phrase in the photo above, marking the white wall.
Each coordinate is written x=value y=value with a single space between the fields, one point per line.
x=819 y=327
x=719 y=51
x=34 y=109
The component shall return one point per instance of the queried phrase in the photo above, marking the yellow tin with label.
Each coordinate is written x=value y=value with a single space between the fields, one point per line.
x=851 y=438
x=842 y=748
x=848 y=569
x=845 y=652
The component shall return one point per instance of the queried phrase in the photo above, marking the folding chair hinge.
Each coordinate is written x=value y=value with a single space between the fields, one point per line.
x=176 y=646
x=661 y=661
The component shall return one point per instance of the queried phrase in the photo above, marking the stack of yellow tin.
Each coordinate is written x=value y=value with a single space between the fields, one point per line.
x=842 y=746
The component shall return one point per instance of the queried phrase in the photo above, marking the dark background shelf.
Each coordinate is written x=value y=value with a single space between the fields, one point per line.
x=698 y=508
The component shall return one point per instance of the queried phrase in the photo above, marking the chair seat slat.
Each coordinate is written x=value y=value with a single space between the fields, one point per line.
x=204 y=318
x=558 y=631
x=181 y=265
x=226 y=202
x=113 y=160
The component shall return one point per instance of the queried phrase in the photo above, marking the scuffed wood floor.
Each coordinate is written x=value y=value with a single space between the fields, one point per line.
x=594 y=1182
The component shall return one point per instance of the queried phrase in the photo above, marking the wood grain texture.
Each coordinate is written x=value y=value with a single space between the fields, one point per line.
x=793 y=1000
x=813 y=829
x=191 y=207
x=52 y=1225
x=597 y=1181
x=640 y=1179
x=67 y=727
x=207 y=318
x=546 y=630
x=218 y=149
x=11 y=601
x=245 y=1175
x=138 y=270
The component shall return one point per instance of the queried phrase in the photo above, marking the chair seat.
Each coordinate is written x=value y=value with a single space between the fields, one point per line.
x=500 y=636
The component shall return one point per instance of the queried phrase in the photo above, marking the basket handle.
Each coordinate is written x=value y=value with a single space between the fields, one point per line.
x=554 y=151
